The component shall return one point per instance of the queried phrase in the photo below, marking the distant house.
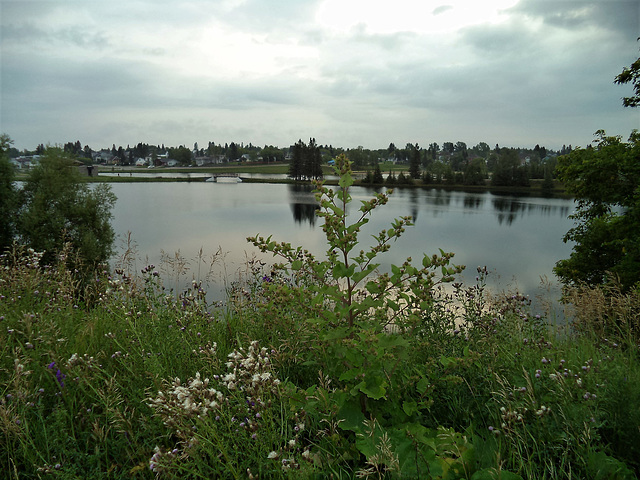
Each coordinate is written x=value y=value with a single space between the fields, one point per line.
x=26 y=161
x=202 y=161
x=141 y=162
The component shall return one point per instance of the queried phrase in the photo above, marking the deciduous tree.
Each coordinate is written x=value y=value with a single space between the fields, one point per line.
x=58 y=207
x=8 y=196
x=631 y=75
x=605 y=181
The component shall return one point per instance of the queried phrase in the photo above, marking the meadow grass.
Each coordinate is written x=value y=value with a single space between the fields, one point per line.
x=295 y=378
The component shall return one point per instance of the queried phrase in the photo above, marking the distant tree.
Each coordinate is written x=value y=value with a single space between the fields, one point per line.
x=482 y=149
x=448 y=147
x=181 y=154
x=296 y=166
x=475 y=172
x=433 y=150
x=233 y=154
x=605 y=181
x=414 y=162
x=312 y=165
x=357 y=157
x=508 y=170
x=547 y=184
x=631 y=75
x=58 y=207
x=271 y=154
x=8 y=195
x=377 y=178
x=391 y=178
x=403 y=179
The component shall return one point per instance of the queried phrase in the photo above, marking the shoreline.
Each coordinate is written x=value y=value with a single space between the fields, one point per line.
x=156 y=176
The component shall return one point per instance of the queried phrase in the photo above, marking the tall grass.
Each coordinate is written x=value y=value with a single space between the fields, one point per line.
x=128 y=379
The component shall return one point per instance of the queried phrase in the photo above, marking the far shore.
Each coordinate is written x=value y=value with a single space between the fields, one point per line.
x=201 y=174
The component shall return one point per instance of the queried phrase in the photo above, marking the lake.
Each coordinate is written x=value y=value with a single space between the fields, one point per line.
x=519 y=239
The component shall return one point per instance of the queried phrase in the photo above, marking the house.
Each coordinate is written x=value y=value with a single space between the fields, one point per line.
x=26 y=161
x=141 y=162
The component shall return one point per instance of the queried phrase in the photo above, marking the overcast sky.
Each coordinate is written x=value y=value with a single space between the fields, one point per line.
x=347 y=72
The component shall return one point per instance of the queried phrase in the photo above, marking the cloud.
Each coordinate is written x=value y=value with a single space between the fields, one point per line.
x=620 y=16
x=348 y=72
x=441 y=9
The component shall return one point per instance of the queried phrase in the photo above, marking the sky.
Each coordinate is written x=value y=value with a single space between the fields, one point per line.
x=348 y=73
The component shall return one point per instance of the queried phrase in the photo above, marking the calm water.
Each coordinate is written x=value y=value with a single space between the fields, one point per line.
x=518 y=238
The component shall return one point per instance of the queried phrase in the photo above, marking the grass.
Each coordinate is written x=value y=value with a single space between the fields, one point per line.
x=121 y=377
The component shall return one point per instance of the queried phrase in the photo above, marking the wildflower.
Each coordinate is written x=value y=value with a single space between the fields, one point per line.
x=272 y=455
x=60 y=377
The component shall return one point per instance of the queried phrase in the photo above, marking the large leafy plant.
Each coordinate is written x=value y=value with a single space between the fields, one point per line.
x=356 y=325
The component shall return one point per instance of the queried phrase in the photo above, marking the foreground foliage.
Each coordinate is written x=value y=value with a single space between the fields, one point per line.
x=314 y=368
x=605 y=181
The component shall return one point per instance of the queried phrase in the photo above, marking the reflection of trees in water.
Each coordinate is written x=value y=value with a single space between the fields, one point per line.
x=438 y=198
x=508 y=209
x=415 y=198
x=473 y=201
x=303 y=204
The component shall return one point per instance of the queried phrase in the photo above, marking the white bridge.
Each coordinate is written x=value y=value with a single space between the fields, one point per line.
x=226 y=177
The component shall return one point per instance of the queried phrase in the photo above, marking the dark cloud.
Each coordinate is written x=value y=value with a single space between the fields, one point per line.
x=621 y=16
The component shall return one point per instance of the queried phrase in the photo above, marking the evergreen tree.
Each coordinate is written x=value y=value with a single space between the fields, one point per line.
x=377 y=178
x=313 y=161
x=414 y=163
x=297 y=159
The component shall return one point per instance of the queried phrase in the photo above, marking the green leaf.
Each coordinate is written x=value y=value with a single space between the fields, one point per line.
x=350 y=416
x=296 y=265
x=409 y=407
x=373 y=386
x=345 y=180
x=422 y=386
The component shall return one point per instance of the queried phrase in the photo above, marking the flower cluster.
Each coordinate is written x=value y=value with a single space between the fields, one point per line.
x=250 y=372
x=233 y=403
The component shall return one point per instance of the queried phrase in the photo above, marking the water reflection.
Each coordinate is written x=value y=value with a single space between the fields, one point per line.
x=480 y=228
x=510 y=208
x=303 y=204
x=473 y=201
